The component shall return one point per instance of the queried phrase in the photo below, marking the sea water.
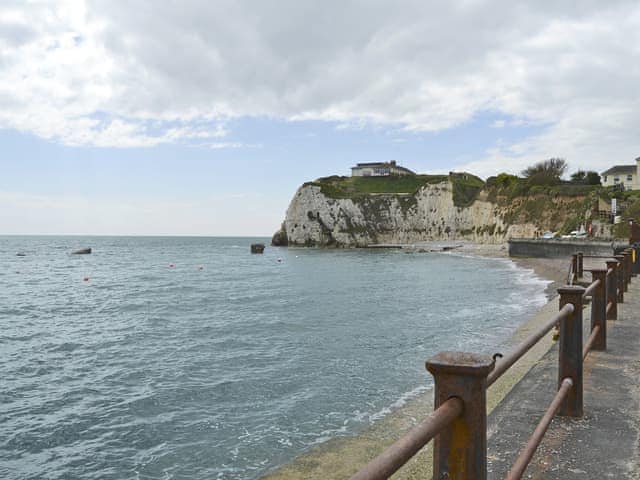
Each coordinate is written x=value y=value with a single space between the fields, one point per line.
x=191 y=358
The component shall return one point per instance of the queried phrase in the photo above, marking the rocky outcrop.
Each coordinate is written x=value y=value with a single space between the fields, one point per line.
x=279 y=238
x=429 y=214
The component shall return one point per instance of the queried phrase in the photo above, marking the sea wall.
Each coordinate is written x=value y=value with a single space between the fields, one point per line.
x=557 y=248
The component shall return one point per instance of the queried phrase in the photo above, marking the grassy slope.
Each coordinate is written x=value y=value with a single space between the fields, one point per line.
x=466 y=187
x=355 y=187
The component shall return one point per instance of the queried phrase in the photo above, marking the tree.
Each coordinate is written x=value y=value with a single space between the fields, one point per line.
x=585 y=178
x=593 y=178
x=579 y=177
x=547 y=172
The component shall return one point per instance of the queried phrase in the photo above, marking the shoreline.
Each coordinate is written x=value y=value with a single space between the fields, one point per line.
x=340 y=457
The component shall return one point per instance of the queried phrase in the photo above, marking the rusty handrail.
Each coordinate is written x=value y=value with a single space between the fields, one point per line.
x=590 y=289
x=590 y=341
x=458 y=425
x=514 y=355
x=530 y=448
x=396 y=455
x=609 y=307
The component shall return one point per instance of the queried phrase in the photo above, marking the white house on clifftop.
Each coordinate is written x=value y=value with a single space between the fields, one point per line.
x=379 y=169
x=625 y=175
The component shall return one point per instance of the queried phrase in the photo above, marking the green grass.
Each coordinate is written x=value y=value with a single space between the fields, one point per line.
x=466 y=188
x=355 y=187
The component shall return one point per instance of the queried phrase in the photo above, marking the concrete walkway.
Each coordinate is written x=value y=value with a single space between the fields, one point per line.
x=605 y=443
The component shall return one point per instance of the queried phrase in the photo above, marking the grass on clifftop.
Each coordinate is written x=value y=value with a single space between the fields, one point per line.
x=354 y=187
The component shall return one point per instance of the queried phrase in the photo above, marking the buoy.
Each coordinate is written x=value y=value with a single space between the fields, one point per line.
x=85 y=279
x=279 y=260
x=200 y=267
x=171 y=265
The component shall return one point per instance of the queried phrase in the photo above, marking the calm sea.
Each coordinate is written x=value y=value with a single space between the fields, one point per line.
x=191 y=358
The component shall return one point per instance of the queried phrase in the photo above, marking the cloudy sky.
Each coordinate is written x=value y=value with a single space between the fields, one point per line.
x=203 y=117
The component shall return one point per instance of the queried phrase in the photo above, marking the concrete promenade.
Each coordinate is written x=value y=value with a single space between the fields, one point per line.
x=605 y=443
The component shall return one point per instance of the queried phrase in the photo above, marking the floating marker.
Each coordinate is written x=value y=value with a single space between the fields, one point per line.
x=85 y=279
x=171 y=265
x=279 y=260
x=200 y=267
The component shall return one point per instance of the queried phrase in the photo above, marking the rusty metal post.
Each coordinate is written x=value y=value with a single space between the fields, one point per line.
x=574 y=268
x=599 y=308
x=625 y=270
x=612 y=287
x=620 y=279
x=580 y=265
x=460 y=451
x=570 y=355
x=628 y=254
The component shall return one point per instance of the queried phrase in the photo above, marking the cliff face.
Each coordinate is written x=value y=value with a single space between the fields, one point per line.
x=314 y=218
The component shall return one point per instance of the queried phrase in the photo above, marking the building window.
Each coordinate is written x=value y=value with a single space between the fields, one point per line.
x=629 y=178
x=605 y=179
x=616 y=180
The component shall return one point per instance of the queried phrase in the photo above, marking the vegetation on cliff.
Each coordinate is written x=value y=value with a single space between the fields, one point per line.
x=358 y=187
x=466 y=187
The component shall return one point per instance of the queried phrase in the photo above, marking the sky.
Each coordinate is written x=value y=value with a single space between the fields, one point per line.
x=203 y=117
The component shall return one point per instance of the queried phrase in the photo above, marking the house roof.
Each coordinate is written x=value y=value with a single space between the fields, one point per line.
x=383 y=165
x=621 y=170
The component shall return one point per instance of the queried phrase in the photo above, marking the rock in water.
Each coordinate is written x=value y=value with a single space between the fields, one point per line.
x=279 y=238
x=82 y=251
x=257 y=248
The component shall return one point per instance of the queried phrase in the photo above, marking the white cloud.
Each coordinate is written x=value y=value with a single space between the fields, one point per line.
x=141 y=73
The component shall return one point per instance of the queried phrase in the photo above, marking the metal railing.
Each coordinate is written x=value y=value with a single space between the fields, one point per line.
x=458 y=424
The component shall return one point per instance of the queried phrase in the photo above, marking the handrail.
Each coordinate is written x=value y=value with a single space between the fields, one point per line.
x=514 y=355
x=570 y=275
x=609 y=307
x=530 y=448
x=590 y=289
x=590 y=341
x=458 y=425
x=396 y=455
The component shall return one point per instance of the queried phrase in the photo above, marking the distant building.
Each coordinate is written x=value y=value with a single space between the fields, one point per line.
x=379 y=169
x=624 y=175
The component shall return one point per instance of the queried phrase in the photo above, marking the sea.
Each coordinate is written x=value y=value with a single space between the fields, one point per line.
x=191 y=358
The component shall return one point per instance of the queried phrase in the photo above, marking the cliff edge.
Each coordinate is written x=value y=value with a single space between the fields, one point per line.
x=365 y=211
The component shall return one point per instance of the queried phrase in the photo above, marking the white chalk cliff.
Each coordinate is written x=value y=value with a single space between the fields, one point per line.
x=315 y=219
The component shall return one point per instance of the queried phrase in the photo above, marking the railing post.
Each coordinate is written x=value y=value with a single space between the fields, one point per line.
x=580 y=265
x=599 y=308
x=570 y=355
x=574 y=267
x=620 y=279
x=460 y=451
x=627 y=254
x=625 y=270
x=612 y=289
